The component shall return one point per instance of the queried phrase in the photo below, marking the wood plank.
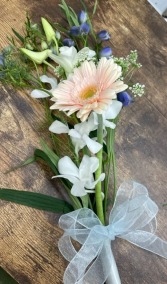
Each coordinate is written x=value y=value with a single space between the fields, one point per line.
x=28 y=237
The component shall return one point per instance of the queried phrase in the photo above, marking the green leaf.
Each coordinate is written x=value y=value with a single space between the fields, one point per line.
x=18 y=36
x=5 y=278
x=25 y=163
x=74 y=17
x=47 y=155
x=49 y=152
x=95 y=7
x=40 y=154
x=36 y=200
x=66 y=11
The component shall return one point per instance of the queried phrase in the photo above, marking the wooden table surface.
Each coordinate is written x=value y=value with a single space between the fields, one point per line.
x=28 y=237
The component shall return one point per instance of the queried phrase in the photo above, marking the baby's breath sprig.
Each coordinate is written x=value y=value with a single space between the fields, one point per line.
x=137 y=90
x=129 y=64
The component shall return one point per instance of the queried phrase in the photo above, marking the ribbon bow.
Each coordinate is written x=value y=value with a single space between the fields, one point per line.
x=132 y=218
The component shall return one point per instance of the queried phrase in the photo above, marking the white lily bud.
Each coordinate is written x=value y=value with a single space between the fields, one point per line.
x=49 y=31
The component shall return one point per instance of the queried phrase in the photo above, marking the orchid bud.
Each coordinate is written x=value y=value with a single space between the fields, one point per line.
x=68 y=42
x=49 y=31
x=105 y=52
x=103 y=35
x=82 y=17
x=44 y=45
x=58 y=35
x=124 y=98
x=75 y=31
x=84 y=28
x=37 y=57
x=34 y=26
x=29 y=46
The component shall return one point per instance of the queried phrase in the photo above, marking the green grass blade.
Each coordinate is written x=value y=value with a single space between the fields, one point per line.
x=41 y=154
x=36 y=200
x=25 y=163
x=18 y=36
x=49 y=152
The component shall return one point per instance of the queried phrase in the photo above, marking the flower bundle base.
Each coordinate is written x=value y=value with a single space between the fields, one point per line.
x=133 y=218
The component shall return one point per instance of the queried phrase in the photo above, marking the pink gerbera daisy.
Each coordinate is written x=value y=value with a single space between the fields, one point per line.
x=90 y=88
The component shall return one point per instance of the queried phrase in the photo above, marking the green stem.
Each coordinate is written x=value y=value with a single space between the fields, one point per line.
x=98 y=195
x=130 y=74
x=48 y=64
x=36 y=68
x=57 y=47
x=107 y=170
x=90 y=203
x=114 y=175
x=110 y=145
x=85 y=201
x=75 y=201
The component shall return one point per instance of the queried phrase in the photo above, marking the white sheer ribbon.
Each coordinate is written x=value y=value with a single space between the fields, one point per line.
x=132 y=218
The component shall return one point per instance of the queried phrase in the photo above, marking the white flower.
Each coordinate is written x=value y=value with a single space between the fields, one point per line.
x=79 y=135
x=111 y=113
x=42 y=94
x=68 y=57
x=82 y=177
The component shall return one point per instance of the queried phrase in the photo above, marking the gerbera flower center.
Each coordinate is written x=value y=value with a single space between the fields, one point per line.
x=88 y=92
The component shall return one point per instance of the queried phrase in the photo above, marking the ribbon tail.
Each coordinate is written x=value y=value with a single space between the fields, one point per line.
x=147 y=241
x=103 y=268
x=78 y=270
x=113 y=277
x=66 y=247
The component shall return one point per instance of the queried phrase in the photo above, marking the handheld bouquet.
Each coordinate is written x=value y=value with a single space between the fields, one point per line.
x=83 y=88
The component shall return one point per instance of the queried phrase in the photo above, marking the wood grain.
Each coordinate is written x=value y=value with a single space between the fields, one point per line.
x=28 y=237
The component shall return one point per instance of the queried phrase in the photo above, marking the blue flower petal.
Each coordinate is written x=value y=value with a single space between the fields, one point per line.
x=124 y=98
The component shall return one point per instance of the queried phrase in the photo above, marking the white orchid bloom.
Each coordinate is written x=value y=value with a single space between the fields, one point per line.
x=79 y=134
x=82 y=177
x=41 y=93
x=59 y=127
x=68 y=57
x=111 y=113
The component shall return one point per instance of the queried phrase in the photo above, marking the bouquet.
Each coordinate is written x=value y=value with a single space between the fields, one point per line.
x=83 y=88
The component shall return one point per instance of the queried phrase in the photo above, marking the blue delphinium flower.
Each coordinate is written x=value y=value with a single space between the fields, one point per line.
x=75 y=31
x=82 y=17
x=84 y=28
x=103 y=35
x=124 y=98
x=68 y=42
x=105 y=52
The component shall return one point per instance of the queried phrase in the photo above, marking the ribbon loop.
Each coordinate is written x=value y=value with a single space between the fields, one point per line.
x=132 y=218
